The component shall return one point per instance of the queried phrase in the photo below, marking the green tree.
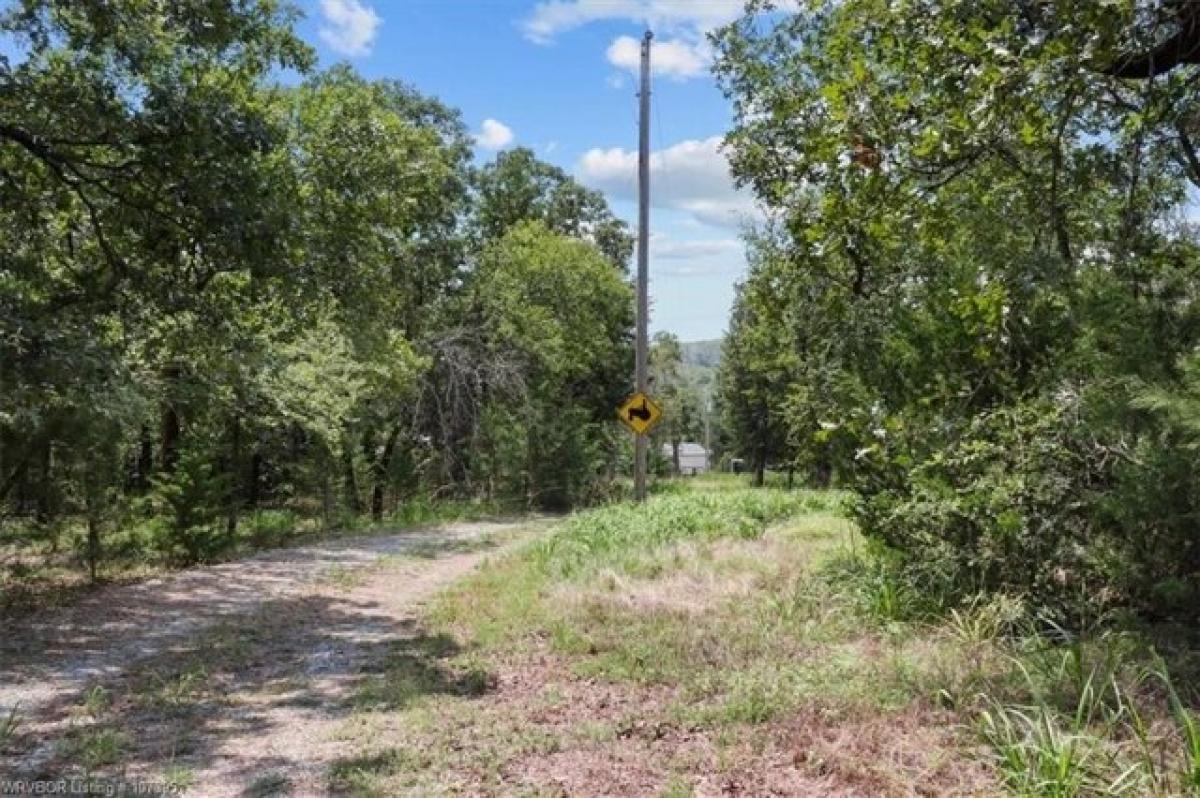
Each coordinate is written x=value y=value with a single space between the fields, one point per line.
x=517 y=187
x=680 y=400
x=554 y=306
x=132 y=195
x=981 y=252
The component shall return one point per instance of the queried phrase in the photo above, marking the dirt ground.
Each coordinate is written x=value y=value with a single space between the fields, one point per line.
x=308 y=671
x=215 y=676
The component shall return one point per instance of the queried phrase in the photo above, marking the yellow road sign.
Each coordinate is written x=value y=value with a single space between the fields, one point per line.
x=639 y=413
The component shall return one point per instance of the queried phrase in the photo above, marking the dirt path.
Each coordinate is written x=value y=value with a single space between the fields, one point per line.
x=231 y=677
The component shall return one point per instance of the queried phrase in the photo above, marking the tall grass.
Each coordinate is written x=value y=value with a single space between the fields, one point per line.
x=848 y=629
x=10 y=721
x=1189 y=731
x=615 y=536
x=1100 y=717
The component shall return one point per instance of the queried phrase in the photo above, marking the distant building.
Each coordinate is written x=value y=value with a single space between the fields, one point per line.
x=693 y=458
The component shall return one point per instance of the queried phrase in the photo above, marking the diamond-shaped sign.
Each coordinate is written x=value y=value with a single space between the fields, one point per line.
x=639 y=413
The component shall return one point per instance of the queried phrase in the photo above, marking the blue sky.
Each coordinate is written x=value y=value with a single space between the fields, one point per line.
x=558 y=77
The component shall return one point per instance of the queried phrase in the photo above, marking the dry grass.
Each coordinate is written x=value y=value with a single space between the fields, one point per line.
x=705 y=665
x=778 y=657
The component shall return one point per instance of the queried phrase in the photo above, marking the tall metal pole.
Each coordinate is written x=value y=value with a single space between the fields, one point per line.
x=643 y=260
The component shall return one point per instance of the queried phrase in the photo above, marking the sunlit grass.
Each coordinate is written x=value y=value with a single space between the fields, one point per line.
x=754 y=604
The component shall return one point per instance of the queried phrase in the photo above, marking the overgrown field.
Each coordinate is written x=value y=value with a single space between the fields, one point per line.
x=747 y=640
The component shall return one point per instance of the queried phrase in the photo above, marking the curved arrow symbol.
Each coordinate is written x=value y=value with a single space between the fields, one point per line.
x=642 y=412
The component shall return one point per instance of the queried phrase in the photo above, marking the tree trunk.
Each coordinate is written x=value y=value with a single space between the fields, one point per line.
x=382 y=464
x=45 y=506
x=170 y=431
x=824 y=473
x=145 y=458
x=255 y=476
x=350 y=480
x=93 y=544
x=675 y=456
x=234 y=492
x=93 y=532
x=326 y=466
x=42 y=508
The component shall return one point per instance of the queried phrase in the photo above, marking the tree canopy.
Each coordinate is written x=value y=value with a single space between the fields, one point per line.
x=979 y=263
x=223 y=297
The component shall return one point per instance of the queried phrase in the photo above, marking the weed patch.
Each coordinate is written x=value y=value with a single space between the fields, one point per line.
x=775 y=639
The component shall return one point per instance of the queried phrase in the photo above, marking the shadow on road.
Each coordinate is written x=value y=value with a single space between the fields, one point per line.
x=193 y=702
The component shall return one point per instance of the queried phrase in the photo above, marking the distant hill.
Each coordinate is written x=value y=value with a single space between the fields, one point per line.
x=700 y=361
x=702 y=353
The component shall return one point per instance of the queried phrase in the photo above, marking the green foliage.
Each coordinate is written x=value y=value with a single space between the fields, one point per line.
x=683 y=401
x=976 y=303
x=230 y=307
x=760 y=366
x=267 y=529
x=565 y=331
x=616 y=534
x=10 y=722
x=517 y=188
x=190 y=497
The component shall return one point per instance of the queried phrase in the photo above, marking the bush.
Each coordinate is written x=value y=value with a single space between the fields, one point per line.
x=270 y=528
x=998 y=509
x=1044 y=500
x=191 y=497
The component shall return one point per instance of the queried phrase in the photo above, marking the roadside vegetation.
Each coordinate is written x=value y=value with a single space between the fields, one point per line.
x=733 y=638
x=235 y=312
x=975 y=303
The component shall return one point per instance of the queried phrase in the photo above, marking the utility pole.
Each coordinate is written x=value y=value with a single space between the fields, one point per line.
x=643 y=261
x=707 y=429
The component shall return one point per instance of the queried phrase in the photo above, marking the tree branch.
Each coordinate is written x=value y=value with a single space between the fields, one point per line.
x=1182 y=48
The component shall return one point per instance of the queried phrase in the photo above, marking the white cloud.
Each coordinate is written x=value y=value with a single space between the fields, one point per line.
x=685 y=259
x=666 y=248
x=674 y=58
x=691 y=176
x=494 y=135
x=695 y=16
x=350 y=26
x=730 y=270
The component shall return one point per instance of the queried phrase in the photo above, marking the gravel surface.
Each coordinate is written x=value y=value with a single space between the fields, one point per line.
x=320 y=616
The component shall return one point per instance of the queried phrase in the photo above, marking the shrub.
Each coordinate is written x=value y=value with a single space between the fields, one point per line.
x=270 y=528
x=191 y=497
x=1049 y=500
x=1001 y=508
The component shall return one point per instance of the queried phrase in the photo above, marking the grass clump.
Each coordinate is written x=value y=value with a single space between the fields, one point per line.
x=10 y=723
x=367 y=774
x=95 y=746
x=616 y=535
